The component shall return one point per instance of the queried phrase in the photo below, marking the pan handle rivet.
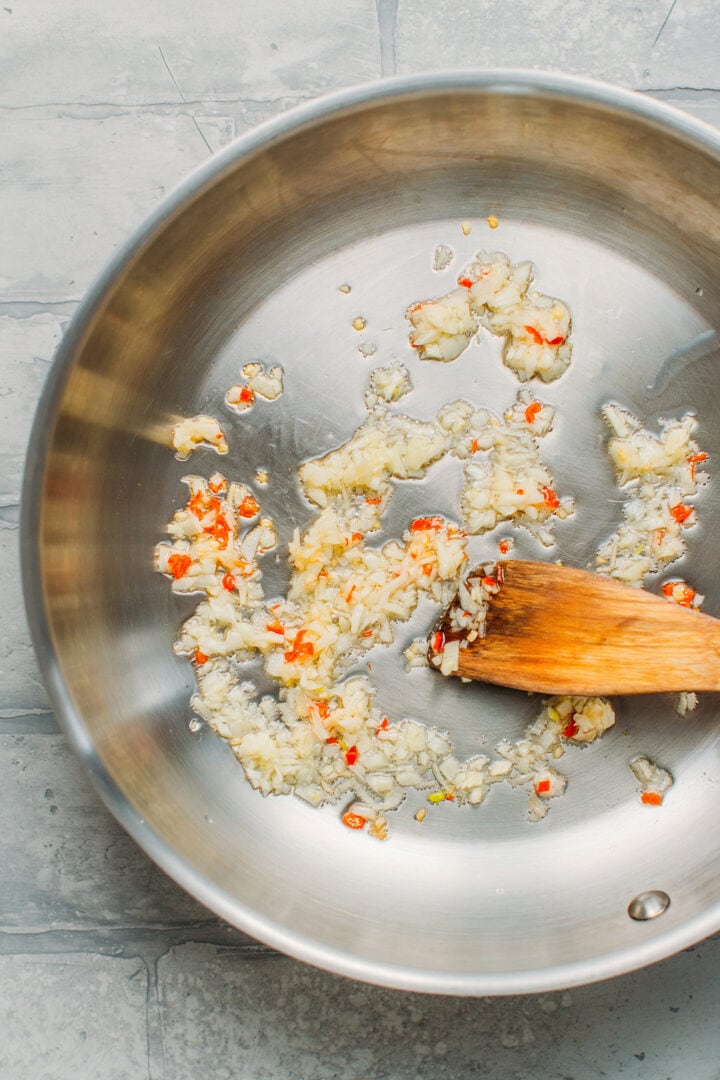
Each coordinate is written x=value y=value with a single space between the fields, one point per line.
x=648 y=905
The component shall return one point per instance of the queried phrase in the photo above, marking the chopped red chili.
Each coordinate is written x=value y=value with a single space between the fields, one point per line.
x=681 y=512
x=228 y=582
x=178 y=565
x=423 y=524
x=351 y=755
x=534 y=334
x=200 y=504
x=550 y=498
x=532 y=410
x=219 y=530
x=680 y=592
x=249 y=507
x=301 y=650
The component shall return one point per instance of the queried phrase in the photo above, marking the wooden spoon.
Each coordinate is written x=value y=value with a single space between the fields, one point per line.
x=563 y=631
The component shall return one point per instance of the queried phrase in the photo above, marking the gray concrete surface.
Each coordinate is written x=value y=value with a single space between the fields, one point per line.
x=107 y=969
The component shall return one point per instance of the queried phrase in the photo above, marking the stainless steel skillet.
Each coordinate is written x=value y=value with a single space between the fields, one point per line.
x=617 y=200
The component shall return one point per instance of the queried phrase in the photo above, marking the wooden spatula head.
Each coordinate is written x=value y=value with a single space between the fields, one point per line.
x=557 y=630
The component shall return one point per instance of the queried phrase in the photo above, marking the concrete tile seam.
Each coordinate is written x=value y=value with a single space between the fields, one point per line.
x=139 y=105
x=127 y=942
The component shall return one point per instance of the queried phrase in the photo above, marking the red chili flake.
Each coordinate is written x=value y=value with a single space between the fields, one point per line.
x=302 y=652
x=466 y=282
x=449 y=797
x=323 y=574
x=556 y=340
x=550 y=498
x=534 y=334
x=246 y=395
x=651 y=798
x=425 y=523
x=520 y=491
x=219 y=530
x=500 y=574
x=200 y=505
x=693 y=461
x=438 y=641
x=351 y=755
x=300 y=649
x=349 y=596
x=249 y=507
x=323 y=708
x=354 y=821
x=368 y=633
x=178 y=565
x=532 y=410
x=383 y=726
x=228 y=582
x=474 y=446
x=275 y=628
x=571 y=730
x=332 y=741
x=542 y=786
x=200 y=657
x=681 y=513
x=680 y=592
x=215 y=487
x=489 y=582
x=504 y=546
x=427 y=568
x=373 y=502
